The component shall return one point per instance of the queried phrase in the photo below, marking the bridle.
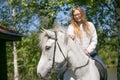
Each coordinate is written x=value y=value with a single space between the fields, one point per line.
x=56 y=42
x=60 y=69
x=63 y=66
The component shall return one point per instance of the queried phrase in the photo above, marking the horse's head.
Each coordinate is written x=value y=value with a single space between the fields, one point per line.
x=54 y=50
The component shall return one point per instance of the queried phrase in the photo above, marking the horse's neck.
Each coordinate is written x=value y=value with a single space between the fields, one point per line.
x=76 y=55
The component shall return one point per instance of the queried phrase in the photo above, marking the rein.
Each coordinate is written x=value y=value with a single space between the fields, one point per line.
x=81 y=66
x=60 y=67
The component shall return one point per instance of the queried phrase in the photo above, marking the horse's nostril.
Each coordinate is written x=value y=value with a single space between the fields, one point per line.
x=39 y=75
x=41 y=78
x=44 y=78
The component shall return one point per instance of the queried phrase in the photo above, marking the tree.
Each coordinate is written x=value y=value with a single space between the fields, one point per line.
x=45 y=12
x=117 y=12
x=16 y=72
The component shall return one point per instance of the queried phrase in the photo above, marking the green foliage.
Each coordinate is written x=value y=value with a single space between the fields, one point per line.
x=10 y=60
x=29 y=54
x=108 y=48
x=28 y=50
x=28 y=57
x=3 y=24
x=54 y=76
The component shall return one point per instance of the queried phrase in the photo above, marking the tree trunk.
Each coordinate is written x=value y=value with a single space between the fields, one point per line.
x=117 y=13
x=16 y=74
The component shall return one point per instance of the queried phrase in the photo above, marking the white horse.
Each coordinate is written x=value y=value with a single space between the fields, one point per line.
x=58 y=48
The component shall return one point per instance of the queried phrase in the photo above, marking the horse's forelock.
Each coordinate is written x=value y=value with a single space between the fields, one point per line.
x=43 y=37
x=60 y=29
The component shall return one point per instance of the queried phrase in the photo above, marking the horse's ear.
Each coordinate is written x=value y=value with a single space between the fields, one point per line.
x=50 y=33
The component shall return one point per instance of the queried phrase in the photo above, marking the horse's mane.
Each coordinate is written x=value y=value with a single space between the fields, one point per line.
x=43 y=36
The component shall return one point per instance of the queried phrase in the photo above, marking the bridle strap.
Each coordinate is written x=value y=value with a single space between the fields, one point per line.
x=54 y=50
x=52 y=69
x=81 y=66
x=60 y=67
x=61 y=51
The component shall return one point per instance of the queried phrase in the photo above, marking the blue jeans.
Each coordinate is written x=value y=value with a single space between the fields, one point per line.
x=104 y=68
x=97 y=58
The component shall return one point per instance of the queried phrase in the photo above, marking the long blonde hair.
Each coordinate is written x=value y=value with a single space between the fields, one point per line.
x=83 y=21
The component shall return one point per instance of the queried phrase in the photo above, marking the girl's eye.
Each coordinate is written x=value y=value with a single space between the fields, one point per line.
x=76 y=14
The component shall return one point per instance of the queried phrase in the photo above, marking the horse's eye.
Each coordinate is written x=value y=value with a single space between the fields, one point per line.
x=47 y=47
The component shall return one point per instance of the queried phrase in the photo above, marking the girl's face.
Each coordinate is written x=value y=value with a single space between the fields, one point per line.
x=77 y=16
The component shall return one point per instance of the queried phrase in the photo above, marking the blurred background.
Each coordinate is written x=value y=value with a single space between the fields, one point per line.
x=28 y=16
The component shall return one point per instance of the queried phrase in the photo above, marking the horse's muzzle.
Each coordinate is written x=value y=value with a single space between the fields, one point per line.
x=41 y=78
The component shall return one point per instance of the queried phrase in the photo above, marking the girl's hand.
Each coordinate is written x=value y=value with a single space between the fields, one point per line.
x=86 y=52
